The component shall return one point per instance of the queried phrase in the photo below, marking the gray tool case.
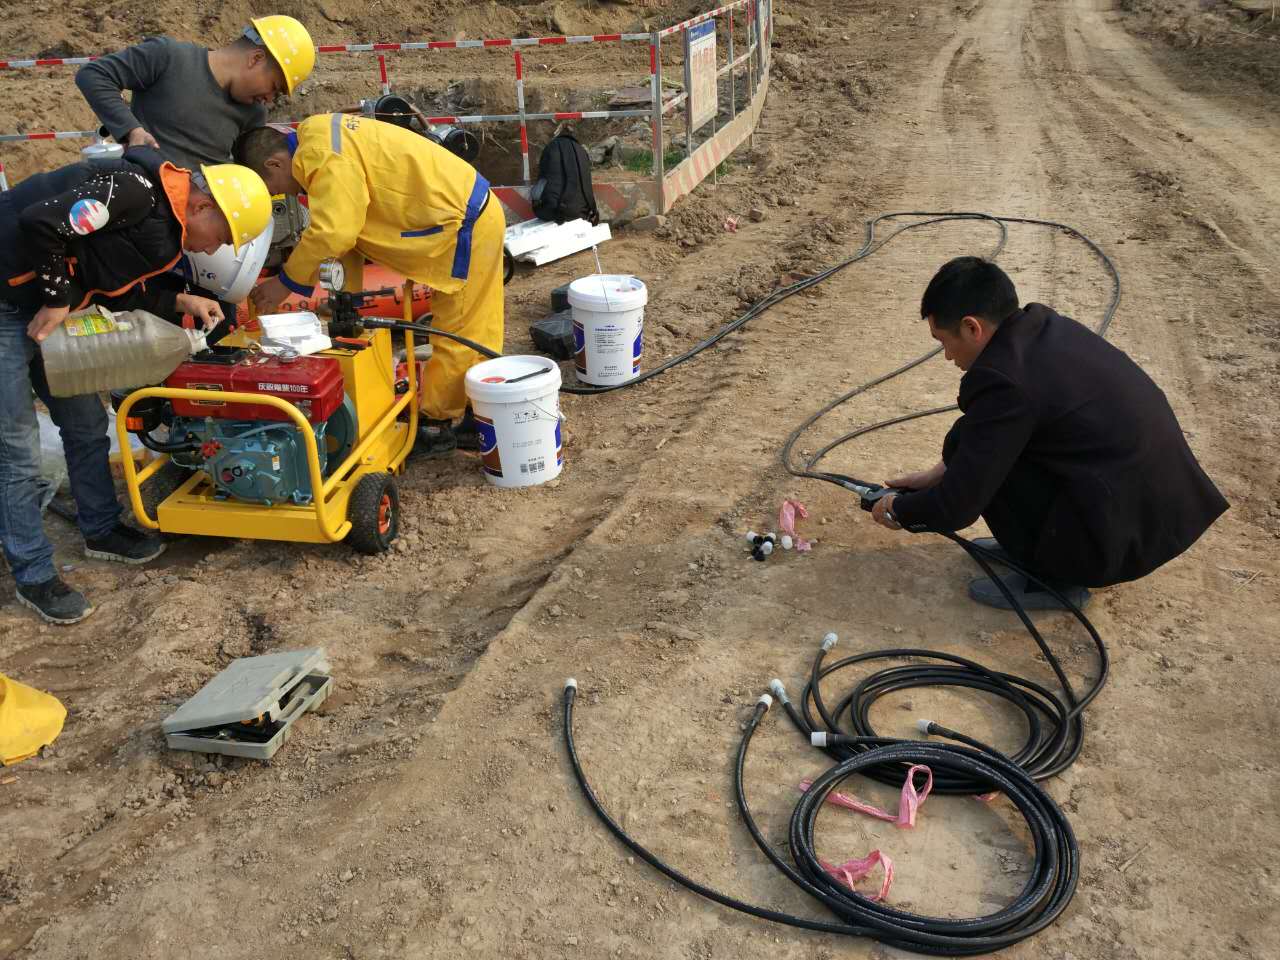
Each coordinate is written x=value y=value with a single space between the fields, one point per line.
x=249 y=708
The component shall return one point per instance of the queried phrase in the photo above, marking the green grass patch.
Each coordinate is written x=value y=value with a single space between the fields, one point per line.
x=642 y=162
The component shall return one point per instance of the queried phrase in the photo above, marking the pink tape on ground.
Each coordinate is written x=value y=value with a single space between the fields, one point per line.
x=852 y=871
x=910 y=801
x=790 y=511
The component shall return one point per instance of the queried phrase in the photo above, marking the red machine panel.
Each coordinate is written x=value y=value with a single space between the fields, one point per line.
x=313 y=384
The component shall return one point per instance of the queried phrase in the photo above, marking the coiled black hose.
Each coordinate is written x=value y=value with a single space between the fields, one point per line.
x=1055 y=729
x=1054 y=723
x=1054 y=873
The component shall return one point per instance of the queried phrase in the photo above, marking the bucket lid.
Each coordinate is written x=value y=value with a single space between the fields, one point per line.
x=513 y=379
x=608 y=293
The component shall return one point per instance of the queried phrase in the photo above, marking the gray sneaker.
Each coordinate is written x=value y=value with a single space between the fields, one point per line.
x=124 y=544
x=1030 y=596
x=54 y=601
x=992 y=546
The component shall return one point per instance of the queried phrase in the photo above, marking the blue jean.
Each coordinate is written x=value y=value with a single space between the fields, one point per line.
x=82 y=421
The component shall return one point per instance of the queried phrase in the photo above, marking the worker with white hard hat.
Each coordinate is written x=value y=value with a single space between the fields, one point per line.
x=69 y=238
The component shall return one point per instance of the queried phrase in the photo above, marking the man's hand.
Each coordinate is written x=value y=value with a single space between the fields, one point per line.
x=921 y=480
x=44 y=322
x=882 y=512
x=138 y=137
x=269 y=294
x=208 y=313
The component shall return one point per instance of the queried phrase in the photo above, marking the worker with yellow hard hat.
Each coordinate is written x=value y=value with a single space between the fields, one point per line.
x=68 y=238
x=380 y=192
x=191 y=102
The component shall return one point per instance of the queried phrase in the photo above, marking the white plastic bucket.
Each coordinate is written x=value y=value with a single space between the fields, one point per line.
x=516 y=401
x=608 y=327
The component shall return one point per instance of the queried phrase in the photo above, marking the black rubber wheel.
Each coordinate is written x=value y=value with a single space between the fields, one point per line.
x=374 y=512
x=508 y=267
x=161 y=485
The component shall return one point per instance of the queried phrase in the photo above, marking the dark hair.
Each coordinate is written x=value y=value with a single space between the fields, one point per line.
x=969 y=287
x=254 y=147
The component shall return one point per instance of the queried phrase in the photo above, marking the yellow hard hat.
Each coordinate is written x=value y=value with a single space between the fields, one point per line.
x=29 y=720
x=242 y=197
x=288 y=41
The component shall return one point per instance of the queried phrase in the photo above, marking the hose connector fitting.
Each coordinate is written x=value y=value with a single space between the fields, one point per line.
x=829 y=641
x=778 y=690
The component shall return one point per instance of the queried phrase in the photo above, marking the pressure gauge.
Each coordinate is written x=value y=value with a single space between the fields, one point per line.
x=332 y=275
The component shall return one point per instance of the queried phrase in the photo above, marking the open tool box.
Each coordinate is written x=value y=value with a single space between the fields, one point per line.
x=249 y=709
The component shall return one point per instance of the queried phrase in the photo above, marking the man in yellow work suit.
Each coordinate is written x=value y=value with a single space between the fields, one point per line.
x=381 y=192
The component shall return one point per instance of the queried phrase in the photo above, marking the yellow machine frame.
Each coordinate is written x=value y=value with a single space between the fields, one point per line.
x=369 y=381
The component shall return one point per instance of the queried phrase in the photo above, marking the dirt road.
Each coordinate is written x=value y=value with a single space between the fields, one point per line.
x=429 y=811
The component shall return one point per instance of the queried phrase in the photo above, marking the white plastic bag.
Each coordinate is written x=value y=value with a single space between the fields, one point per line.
x=53 y=463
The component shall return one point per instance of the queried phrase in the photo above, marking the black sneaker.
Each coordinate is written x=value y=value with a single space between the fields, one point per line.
x=54 y=601
x=435 y=438
x=467 y=432
x=124 y=544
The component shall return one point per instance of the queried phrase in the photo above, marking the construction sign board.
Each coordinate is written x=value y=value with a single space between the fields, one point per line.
x=704 y=101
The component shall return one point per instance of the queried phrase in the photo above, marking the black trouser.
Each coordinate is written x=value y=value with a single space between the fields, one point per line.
x=1019 y=513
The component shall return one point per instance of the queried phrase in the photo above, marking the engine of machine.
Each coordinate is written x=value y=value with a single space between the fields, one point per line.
x=255 y=452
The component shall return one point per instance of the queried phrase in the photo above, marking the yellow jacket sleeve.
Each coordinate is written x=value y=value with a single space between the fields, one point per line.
x=338 y=198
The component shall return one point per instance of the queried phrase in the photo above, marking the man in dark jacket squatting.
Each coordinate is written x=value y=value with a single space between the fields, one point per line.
x=1065 y=447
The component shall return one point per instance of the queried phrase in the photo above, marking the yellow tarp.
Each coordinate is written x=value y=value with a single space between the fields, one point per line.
x=29 y=720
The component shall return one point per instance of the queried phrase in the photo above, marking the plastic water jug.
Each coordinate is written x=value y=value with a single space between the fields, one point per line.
x=98 y=350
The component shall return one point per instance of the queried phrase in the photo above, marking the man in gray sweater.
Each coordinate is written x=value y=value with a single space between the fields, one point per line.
x=191 y=103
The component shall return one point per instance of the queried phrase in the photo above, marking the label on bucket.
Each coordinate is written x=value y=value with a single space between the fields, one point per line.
x=520 y=443
x=608 y=351
x=490 y=455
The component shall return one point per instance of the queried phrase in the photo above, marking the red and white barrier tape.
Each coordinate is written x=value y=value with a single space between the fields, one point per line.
x=701 y=18
x=51 y=135
x=27 y=63
x=524 y=125
x=473 y=118
x=46 y=62
x=478 y=44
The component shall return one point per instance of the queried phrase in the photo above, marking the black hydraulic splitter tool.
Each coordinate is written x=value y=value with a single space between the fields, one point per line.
x=869 y=494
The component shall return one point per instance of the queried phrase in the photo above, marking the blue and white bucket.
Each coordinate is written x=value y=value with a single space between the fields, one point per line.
x=608 y=327
x=516 y=402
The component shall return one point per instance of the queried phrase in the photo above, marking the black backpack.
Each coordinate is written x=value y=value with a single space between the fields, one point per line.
x=563 y=191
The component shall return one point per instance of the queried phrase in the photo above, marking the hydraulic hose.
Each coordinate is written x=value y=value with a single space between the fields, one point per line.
x=376 y=323
x=1055 y=728
x=158 y=446
x=1053 y=876
x=1054 y=721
